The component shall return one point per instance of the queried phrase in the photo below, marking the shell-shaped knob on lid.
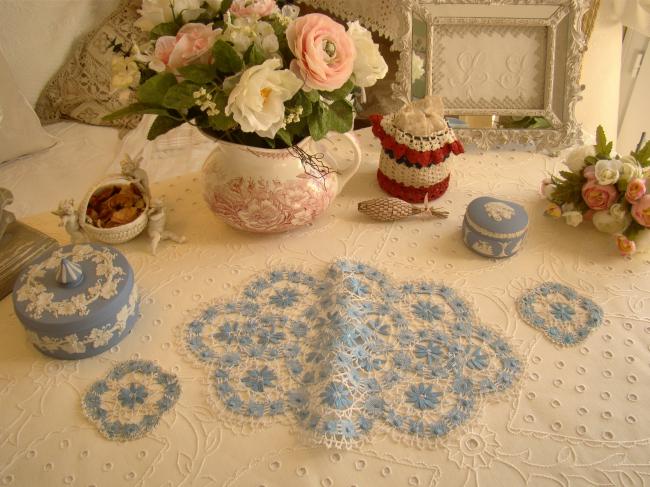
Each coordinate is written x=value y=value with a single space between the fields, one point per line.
x=69 y=274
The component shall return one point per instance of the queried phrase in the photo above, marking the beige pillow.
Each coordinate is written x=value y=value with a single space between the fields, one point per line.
x=20 y=131
x=81 y=90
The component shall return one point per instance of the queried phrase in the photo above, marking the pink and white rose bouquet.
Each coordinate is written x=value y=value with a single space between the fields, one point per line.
x=246 y=71
x=611 y=192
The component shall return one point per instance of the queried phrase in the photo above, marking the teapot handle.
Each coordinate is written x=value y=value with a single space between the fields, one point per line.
x=344 y=175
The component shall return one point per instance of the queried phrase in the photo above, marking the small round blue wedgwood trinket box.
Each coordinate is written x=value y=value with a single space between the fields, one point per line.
x=494 y=228
x=77 y=301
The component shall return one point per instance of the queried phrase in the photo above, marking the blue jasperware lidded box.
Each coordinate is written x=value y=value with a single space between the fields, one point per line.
x=77 y=301
x=494 y=228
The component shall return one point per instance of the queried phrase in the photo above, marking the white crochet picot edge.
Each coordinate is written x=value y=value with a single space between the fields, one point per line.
x=414 y=177
x=435 y=141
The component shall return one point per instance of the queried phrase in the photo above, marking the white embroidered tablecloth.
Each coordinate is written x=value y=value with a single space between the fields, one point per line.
x=578 y=417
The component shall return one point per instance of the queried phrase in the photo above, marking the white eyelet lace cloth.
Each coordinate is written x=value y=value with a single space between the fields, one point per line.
x=577 y=418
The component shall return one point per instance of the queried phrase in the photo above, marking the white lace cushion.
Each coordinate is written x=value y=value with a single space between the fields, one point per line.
x=20 y=130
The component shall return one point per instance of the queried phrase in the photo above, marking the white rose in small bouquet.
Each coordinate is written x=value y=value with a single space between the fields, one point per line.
x=575 y=160
x=611 y=192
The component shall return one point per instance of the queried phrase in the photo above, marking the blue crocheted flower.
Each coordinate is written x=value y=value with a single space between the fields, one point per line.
x=427 y=311
x=563 y=315
x=337 y=395
x=129 y=401
x=257 y=380
x=423 y=396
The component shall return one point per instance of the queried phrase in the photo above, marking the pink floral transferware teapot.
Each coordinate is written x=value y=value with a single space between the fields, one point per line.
x=275 y=190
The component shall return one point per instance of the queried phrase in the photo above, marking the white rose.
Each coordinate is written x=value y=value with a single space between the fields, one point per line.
x=244 y=31
x=606 y=222
x=573 y=218
x=369 y=65
x=630 y=168
x=154 y=12
x=575 y=160
x=257 y=102
x=617 y=210
x=608 y=172
x=125 y=73
x=417 y=67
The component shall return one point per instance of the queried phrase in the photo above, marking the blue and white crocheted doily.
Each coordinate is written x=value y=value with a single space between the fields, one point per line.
x=560 y=313
x=349 y=354
x=128 y=403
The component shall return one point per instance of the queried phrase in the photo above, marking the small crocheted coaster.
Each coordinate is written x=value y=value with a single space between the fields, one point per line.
x=563 y=315
x=128 y=403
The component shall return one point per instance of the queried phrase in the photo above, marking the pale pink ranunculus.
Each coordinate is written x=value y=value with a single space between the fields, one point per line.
x=641 y=211
x=589 y=172
x=635 y=190
x=191 y=44
x=625 y=245
x=599 y=197
x=324 y=52
x=250 y=8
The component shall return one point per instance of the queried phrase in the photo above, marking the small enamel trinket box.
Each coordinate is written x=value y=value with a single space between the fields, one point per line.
x=77 y=301
x=494 y=228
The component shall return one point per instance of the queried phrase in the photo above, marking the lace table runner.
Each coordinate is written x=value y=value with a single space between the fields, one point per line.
x=349 y=353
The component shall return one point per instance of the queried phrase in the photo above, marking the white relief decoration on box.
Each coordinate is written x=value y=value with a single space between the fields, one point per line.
x=97 y=338
x=39 y=301
x=499 y=211
x=483 y=247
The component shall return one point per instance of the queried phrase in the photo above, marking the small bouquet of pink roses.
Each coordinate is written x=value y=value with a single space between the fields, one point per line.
x=250 y=72
x=609 y=191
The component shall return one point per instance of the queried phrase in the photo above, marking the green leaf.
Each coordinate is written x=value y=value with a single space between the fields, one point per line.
x=318 y=122
x=312 y=95
x=633 y=230
x=603 y=149
x=181 y=96
x=643 y=155
x=164 y=29
x=285 y=137
x=340 y=116
x=154 y=89
x=198 y=73
x=133 y=109
x=225 y=5
x=254 y=55
x=300 y=100
x=221 y=122
x=162 y=125
x=226 y=58
x=339 y=93
x=591 y=160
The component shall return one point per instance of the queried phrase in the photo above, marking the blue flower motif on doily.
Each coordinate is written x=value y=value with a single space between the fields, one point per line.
x=129 y=401
x=347 y=354
x=564 y=316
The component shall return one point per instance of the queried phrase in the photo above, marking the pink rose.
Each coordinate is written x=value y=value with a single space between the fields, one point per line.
x=250 y=8
x=324 y=52
x=635 y=189
x=599 y=197
x=191 y=44
x=589 y=172
x=625 y=246
x=641 y=211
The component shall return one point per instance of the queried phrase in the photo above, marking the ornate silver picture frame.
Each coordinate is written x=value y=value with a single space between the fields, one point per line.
x=508 y=70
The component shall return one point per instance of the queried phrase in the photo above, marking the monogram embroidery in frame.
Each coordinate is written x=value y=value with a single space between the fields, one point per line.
x=499 y=211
